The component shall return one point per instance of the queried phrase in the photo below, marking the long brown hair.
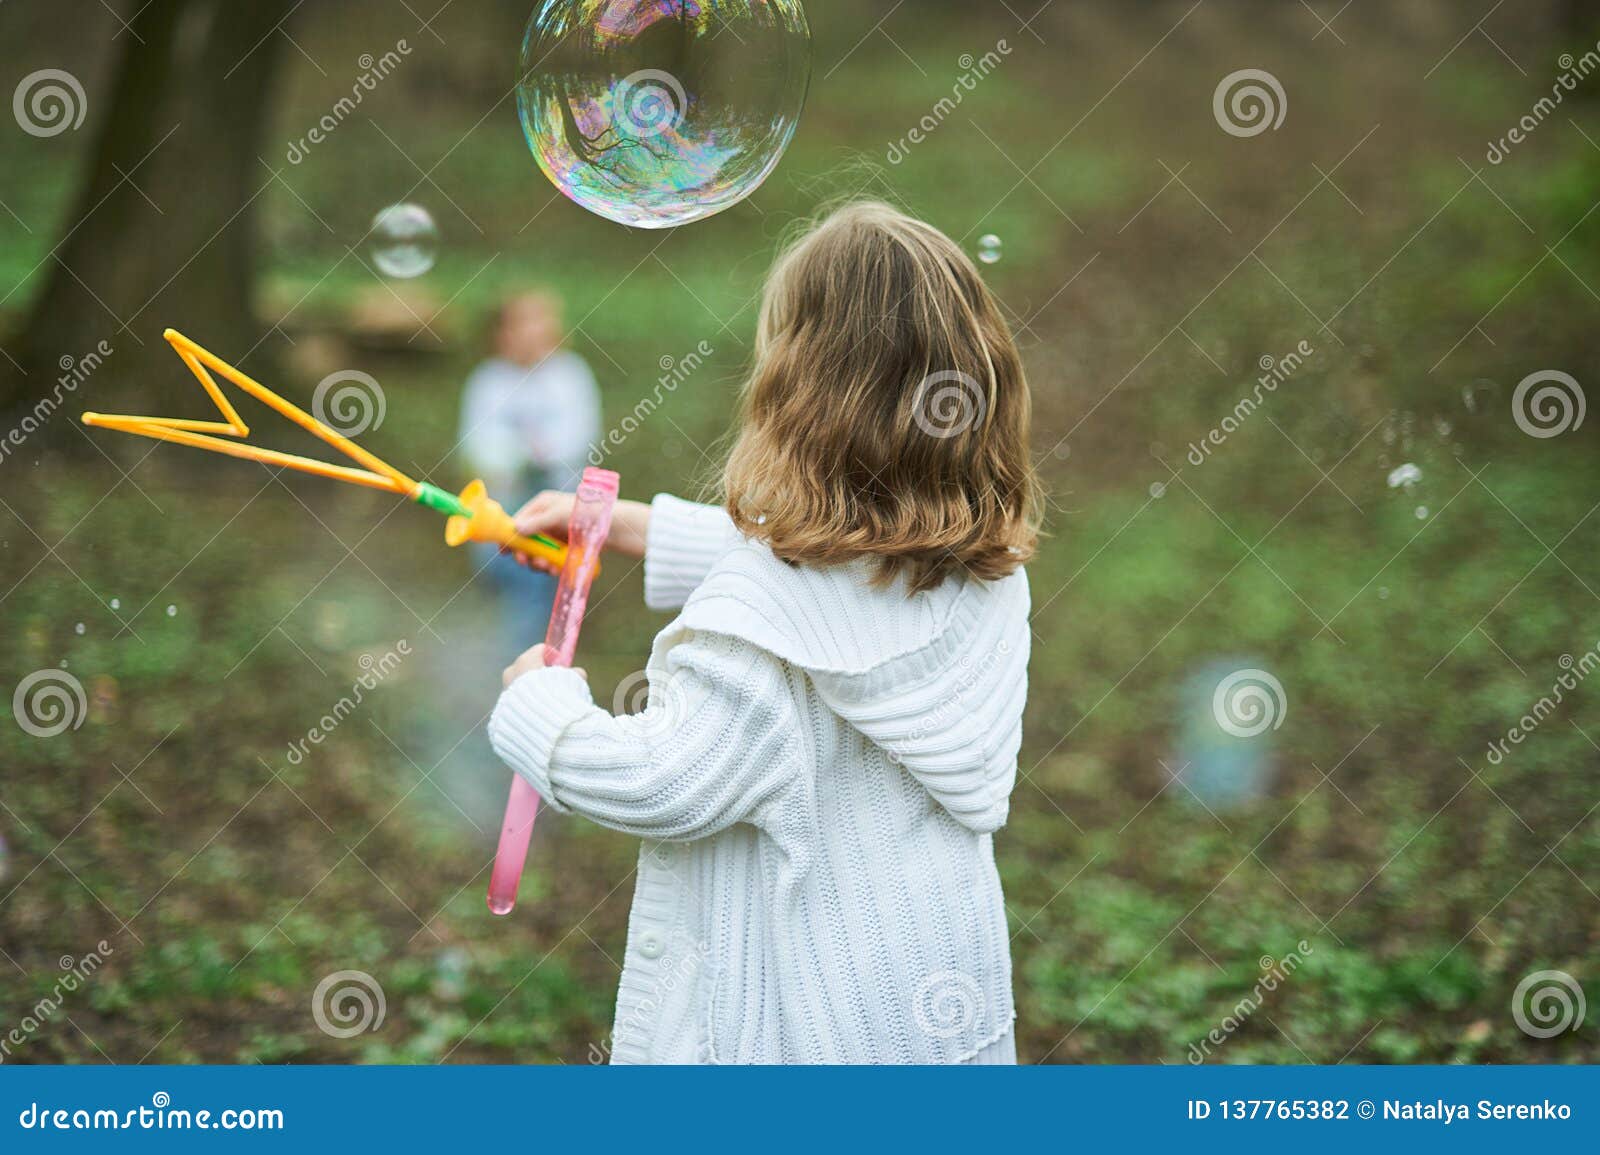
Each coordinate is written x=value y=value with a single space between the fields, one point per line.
x=887 y=414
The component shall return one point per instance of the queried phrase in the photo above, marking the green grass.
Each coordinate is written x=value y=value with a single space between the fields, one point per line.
x=1425 y=880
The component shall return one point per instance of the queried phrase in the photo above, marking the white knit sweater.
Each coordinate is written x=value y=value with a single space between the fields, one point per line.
x=817 y=777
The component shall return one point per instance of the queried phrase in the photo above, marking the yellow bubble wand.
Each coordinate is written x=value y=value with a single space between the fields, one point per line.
x=473 y=514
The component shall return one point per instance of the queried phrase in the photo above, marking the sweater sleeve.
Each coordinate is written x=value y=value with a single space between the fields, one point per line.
x=716 y=745
x=684 y=540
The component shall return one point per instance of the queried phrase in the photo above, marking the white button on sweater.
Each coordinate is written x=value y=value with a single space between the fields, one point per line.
x=817 y=778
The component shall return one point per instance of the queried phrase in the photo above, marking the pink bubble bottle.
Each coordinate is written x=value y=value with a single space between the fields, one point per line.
x=591 y=522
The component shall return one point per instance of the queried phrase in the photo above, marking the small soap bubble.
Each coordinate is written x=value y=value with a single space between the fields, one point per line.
x=1383 y=593
x=1404 y=476
x=172 y=611
x=1157 y=490
x=1422 y=513
x=79 y=628
x=116 y=603
x=404 y=241
x=990 y=249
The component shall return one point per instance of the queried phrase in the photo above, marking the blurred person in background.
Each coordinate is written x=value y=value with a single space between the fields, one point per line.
x=528 y=417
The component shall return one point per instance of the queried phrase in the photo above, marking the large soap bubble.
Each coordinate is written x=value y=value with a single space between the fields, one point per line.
x=660 y=112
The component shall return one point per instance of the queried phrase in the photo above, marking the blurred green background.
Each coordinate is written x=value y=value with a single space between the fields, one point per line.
x=214 y=611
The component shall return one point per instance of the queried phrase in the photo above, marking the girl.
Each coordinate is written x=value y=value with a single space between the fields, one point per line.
x=834 y=715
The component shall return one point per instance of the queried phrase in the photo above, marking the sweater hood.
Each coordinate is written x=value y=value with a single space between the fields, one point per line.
x=936 y=680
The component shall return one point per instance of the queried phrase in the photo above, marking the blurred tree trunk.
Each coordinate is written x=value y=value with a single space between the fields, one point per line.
x=1579 y=19
x=162 y=231
x=1577 y=32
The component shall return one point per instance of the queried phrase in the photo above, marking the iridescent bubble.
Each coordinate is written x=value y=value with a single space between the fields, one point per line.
x=79 y=629
x=1158 y=490
x=1422 y=513
x=116 y=603
x=404 y=241
x=990 y=249
x=659 y=112
x=172 y=611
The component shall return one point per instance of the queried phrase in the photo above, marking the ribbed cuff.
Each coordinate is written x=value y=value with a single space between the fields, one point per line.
x=684 y=540
x=529 y=719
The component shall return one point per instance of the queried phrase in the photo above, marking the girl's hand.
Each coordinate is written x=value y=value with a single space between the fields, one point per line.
x=551 y=512
x=532 y=659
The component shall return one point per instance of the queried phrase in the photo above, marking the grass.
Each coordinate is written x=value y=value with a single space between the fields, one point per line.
x=1424 y=879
